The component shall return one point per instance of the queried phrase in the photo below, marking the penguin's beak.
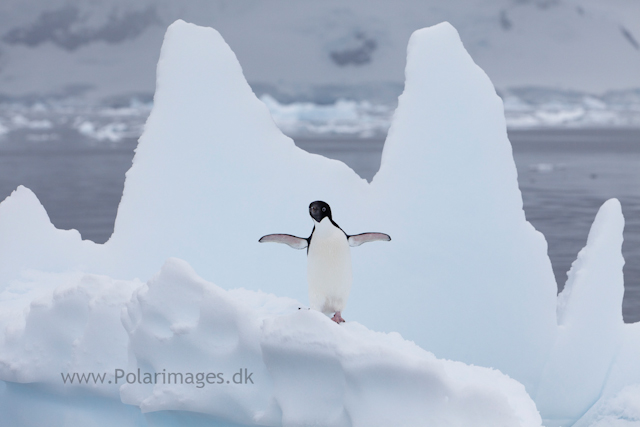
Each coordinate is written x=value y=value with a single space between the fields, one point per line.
x=314 y=213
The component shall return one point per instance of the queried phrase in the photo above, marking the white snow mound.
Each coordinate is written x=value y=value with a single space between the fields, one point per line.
x=296 y=366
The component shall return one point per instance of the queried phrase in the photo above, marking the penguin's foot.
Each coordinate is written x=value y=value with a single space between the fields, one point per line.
x=337 y=318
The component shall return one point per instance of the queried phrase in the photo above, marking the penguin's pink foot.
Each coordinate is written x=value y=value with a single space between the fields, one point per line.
x=337 y=318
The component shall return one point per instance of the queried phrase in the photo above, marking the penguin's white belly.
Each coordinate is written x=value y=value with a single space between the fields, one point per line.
x=328 y=268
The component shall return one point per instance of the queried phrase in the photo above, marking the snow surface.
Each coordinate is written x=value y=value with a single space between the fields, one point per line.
x=212 y=173
x=305 y=369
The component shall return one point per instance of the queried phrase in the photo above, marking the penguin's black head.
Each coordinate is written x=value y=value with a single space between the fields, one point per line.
x=319 y=210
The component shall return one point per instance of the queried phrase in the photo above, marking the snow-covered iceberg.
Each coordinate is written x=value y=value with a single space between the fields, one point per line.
x=447 y=151
x=465 y=278
x=238 y=356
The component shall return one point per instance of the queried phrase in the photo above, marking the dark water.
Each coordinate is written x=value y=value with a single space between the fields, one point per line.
x=588 y=167
x=564 y=175
x=77 y=180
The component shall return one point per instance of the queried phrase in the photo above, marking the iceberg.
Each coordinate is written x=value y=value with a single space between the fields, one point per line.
x=455 y=322
x=208 y=187
x=296 y=366
x=305 y=369
x=590 y=325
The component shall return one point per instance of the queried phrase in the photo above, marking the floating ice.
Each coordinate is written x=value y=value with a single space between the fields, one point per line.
x=620 y=410
x=590 y=322
x=20 y=121
x=30 y=242
x=237 y=185
x=111 y=132
x=526 y=109
x=351 y=118
x=361 y=119
x=542 y=167
x=618 y=402
x=93 y=121
x=544 y=108
x=466 y=276
x=297 y=367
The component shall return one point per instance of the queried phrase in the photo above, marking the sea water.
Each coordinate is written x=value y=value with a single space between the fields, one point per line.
x=564 y=174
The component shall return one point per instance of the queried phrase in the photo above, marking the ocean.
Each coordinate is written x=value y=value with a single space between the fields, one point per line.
x=564 y=174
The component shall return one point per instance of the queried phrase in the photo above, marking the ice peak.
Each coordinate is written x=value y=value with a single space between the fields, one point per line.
x=595 y=285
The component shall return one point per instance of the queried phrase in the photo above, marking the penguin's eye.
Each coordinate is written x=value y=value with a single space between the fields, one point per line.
x=324 y=209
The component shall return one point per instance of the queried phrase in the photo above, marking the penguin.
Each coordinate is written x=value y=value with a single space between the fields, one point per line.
x=329 y=274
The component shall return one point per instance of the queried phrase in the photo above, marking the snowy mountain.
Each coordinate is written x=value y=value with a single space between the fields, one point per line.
x=107 y=50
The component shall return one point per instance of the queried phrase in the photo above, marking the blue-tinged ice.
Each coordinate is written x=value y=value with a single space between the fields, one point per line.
x=466 y=277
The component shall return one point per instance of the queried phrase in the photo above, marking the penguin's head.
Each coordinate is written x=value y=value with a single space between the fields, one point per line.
x=319 y=210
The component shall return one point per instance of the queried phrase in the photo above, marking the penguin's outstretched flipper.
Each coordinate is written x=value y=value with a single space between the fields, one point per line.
x=359 y=239
x=287 y=239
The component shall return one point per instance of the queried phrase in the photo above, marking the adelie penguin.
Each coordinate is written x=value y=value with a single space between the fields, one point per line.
x=329 y=259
